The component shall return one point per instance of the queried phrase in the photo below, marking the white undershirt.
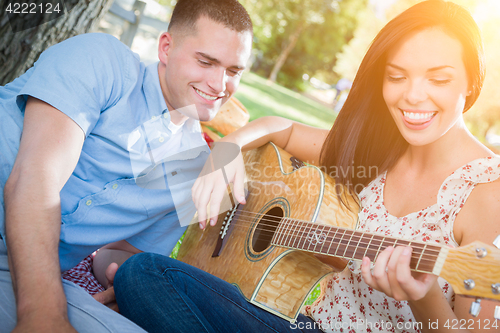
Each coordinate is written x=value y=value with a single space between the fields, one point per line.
x=174 y=144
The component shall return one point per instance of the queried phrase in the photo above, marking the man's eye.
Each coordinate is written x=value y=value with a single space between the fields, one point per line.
x=204 y=63
x=234 y=73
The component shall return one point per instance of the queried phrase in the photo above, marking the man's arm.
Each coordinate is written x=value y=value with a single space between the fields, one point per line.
x=50 y=147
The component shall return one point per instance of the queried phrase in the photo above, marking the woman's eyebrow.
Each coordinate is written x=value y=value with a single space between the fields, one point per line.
x=433 y=69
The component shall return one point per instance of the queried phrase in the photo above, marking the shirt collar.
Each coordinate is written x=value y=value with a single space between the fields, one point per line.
x=152 y=90
x=156 y=101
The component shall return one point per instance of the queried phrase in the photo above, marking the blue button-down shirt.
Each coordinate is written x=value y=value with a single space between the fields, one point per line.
x=120 y=186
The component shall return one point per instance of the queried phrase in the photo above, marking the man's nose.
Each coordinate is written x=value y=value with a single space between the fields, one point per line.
x=218 y=80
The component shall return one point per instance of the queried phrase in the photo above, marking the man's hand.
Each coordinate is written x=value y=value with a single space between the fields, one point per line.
x=107 y=297
x=224 y=166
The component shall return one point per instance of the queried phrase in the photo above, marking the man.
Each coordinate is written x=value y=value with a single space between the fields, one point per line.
x=91 y=142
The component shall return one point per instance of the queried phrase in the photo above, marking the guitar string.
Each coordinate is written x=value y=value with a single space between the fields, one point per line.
x=270 y=228
x=429 y=248
x=416 y=245
x=423 y=257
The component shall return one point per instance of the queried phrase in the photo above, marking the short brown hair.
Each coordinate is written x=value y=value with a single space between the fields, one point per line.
x=230 y=13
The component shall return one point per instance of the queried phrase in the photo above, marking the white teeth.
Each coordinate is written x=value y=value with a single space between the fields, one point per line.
x=202 y=94
x=418 y=116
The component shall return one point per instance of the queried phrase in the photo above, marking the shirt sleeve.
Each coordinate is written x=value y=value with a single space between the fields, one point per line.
x=82 y=76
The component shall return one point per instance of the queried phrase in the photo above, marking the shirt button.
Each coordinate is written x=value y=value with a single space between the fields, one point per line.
x=161 y=139
x=153 y=117
x=165 y=115
x=115 y=186
x=89 y=202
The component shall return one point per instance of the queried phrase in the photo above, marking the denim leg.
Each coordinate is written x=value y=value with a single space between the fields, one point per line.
x=84 y=312
x=165 y=295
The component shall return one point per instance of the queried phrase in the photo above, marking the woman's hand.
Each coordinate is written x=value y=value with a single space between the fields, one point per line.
x=107 y=297
x=221 y=169
x=392 y=275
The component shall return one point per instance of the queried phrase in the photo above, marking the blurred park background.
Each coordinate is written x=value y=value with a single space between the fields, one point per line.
x=306 y=53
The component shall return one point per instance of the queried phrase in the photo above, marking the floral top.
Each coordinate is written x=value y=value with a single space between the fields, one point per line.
x=346 y=303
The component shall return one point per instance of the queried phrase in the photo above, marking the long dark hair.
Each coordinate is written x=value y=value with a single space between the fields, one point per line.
x=364 y=135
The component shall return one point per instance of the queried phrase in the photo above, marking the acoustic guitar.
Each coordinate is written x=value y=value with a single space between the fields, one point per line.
x=266 y=247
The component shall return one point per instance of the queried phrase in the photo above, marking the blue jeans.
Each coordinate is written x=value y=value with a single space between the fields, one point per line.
x=161 y=294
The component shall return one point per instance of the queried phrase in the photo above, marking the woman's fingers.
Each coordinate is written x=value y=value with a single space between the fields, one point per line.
x=379 y=273
x=399 y=273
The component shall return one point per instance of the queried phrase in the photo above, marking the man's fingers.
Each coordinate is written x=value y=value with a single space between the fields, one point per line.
x=239 y=185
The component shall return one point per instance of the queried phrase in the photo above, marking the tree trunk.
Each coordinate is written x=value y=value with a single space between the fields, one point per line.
x=19 y=49
x=286 y=51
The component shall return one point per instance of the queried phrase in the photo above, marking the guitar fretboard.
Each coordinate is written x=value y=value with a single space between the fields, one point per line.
x=349 y=244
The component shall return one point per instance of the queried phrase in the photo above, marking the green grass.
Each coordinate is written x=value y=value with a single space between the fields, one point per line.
x=262 y=98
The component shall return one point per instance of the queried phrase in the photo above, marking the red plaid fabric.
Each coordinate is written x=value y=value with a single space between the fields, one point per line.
x=207 y=139
x=82 y=275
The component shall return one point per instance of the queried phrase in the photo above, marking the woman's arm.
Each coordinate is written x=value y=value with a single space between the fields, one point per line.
x=302 y=141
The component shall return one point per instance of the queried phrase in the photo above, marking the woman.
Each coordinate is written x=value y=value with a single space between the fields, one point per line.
x=404 y=115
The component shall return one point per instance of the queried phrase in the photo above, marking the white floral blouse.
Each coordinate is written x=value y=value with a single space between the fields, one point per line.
x=346 y=303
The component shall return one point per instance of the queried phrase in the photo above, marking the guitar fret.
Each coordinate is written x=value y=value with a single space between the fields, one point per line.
x=282 y=227
x=340 y=242
x=378 y=251
x=303 y=236
x=347 y=246
x=358 y=242
x=420 y=258
x=288 y=233
x=312 y=237
x=298 y=237
x=316 y=237
x=368 y=246
x=325 y=240
x=375 y=245
x=333 y=240
x=294 y=236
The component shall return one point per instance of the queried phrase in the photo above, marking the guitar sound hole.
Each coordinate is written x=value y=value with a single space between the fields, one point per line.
x=264 y=231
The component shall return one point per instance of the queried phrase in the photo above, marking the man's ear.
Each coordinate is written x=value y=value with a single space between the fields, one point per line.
x=165 y=44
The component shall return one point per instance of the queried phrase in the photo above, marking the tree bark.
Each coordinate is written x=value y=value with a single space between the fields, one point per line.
x=19 y=50
x=286 y=52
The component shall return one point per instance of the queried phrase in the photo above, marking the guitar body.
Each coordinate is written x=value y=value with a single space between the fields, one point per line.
x=274 y=278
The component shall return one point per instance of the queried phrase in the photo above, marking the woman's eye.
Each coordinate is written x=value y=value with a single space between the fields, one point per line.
x=440 y=82
x=395 y=78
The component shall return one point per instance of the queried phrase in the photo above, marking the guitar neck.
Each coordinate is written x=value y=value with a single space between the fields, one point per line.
x=350 y=244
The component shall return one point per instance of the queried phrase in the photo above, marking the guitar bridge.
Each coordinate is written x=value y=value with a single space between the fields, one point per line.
x=226 y=228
